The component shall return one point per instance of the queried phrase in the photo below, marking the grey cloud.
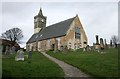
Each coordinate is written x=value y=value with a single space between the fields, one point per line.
x=97 y=18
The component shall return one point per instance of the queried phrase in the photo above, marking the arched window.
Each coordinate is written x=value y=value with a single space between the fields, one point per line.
x=77 y=33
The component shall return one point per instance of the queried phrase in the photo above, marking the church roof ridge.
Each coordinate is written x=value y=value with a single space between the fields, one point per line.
x=54 y=30
x=61 y=21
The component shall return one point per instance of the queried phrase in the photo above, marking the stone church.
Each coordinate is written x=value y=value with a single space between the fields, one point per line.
x=67 y=34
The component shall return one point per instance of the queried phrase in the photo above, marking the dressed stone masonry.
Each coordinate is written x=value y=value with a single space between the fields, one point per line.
x=67 y=34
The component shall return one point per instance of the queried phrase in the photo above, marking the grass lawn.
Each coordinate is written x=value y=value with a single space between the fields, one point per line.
x=39 y=66
x=92 y=62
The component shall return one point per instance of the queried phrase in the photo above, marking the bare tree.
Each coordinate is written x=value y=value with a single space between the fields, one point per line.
x=115 y=40
x=14 y=35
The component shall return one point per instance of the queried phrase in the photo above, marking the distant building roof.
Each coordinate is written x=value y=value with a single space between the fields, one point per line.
x=8 y=43
x=55 y=30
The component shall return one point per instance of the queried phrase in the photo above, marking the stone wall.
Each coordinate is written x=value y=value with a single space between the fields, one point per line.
x=59 y=43
x=83 y=34
x=70 y=37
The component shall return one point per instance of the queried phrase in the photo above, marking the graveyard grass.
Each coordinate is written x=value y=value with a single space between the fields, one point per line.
x=92 y=62
x=39 y=66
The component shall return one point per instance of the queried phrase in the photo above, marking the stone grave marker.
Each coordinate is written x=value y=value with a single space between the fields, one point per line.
x=20 y=55
x=101 y=44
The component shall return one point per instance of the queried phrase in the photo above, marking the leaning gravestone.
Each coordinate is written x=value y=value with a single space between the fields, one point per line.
x=20 y=55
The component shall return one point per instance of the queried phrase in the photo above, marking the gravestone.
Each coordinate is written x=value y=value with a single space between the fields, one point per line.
x=30 y=54
x=97 y=41
x=110 y=43
x=84 y=49
x=13 y=49
x=7 y=51
x=97 y=45
x=87 y=48
x=20 y=55
x=105 y=43
x=101 y=44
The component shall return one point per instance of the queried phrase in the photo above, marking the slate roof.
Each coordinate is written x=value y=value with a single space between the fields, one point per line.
x=55 y=30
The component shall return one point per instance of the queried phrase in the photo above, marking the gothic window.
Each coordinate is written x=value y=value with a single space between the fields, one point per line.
x=77 y=33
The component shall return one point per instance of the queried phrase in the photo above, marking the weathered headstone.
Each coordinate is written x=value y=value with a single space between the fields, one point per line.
x=20 y=55
x=30 y=54
x=101 y=44
x=84 y=49
x=7 y=51
x=85 y=46
x=97 y=41
x=13 y=49
x=97 y=45
x=110 y=43
x=105 y=43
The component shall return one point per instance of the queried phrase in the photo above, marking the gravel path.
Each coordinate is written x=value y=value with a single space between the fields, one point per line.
x=69 y=70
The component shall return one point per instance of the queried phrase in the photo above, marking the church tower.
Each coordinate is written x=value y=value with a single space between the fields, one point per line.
x=39 y=22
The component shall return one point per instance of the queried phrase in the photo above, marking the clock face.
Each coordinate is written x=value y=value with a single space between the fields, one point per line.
x=42 y=20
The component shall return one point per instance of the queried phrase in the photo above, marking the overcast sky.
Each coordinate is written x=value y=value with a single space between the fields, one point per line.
x=97 y=18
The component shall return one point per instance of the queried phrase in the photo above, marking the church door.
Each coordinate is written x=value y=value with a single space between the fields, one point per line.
x=52 y=46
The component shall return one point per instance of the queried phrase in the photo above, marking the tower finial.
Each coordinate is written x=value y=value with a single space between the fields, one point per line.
x=40 y=11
